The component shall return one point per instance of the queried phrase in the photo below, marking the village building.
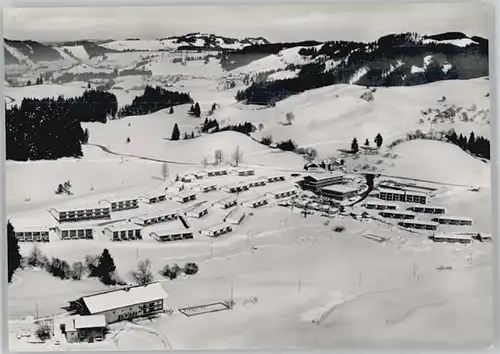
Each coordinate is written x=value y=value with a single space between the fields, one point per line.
x=184 y=197
x=32 y=234
x=393 y=214
x=235 y=217
x=154 y=197
x=380 y=206
x=120 y=204
x=155 y=218
x=172 y=235
x=257 y=183
x=85 y=328
x=339 y=192
x=277 y=178
x=257 y=202
x=245 y=172
x=284 y=194
x=451 y=237
x=312 y=167
x=419 y=225
x=217 y=230
x=198 y=211
x=402 y=196
x=92 y=212
x=226 y=203
x=124 y=304
x=209 y=187
x=314 y=182
x=237 y=188
x=75 y=231
x=126 y=231
x=453 y=220
x=427 y=209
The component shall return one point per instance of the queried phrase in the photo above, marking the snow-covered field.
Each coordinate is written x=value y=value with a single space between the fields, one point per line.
x=296 y=282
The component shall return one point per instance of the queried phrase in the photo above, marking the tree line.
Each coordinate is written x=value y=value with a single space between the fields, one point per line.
x=476 y=145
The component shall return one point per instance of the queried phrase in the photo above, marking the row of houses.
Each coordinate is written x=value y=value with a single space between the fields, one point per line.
x=444 y=220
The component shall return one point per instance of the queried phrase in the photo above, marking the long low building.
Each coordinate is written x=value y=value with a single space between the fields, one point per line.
x=91 y=212
x=453 y=220
x=218 y=230
x=198 y=211
x=380 y=206
x=257 y=183
x=184 y=197
x=451 y=238
x=276 y=178
x=339 y=192
x=75 y=231
x=156 y=217
x=284 y=193
x=394 y=214
x=419 y=225
x=154 y=197
x=32 y=234
x=238 y=187
x=120 y=204
x=245 y=172
x=235 y=217
x=402 y=196
x=226 y=203
x=125 y=231
x=257 y=202
x=172 y=235
x=124 y=304
x=216 y=172
x=205 y=188
x=427 y=209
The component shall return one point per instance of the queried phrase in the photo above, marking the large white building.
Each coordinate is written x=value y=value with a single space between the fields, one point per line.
x=125 y=303
x=91 y=212
x=120 y=204
x=315 y=181
x=402 y=196
x=339 y=192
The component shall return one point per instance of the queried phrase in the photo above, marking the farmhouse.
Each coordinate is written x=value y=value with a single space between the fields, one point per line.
x=419 y=225
x=217 y=230
x=285 y=193
x=235 y=217
x=155 y=218
x=209 y=187
x=119 y=204
x=184 y=197
x=403 y=196
x=124 y=231
x=245 y=172
x=154 y=197
x=75 y=231
x=453 y=220
x=226 y=203
x=380 y=206
x=257 y=183
x=339 y=192
x=451 y=238
x=172 y=235
x=314 y=182
x=236 y=188
x=198 y=211
x=125 y=303
x=277 y=178
x=393 y=214
x=35 y=234
x=93 y=212
x=85 y=328
x=427 y=209
x=257 y=202
x=217 y=172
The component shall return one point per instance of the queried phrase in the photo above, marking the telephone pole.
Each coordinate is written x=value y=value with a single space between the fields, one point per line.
x=232 y=297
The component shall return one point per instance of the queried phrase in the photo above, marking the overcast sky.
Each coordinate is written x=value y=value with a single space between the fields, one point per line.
x=361 y=22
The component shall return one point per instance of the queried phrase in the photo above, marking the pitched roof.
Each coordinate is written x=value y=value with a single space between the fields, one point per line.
x=92 y=321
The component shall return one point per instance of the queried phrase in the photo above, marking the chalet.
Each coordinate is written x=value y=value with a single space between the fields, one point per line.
x=380 y=206
x=453 y=220
x=218 y=230
x=339 y=192
x=427 y=209
x=92 y=212
x=155 y=218
x=125 y=231
x=257 y=202
x=120 y=204
x=184 y=197
x=85 y=328
x=245 y=172
x=277 y=178
x=154 y=197
x=237 y=188
x=419 y=225
x=235 y=217
x=226 y=203
x=451 y=238
x=198 y=211
x=393 y=214
x=314 y=182
x=32 y=234
x=124 y=304
x=311 y=166
x=75 y=231
x=172 y=235
x=209 y=187
x=284 y=194
x=257 y=183
x=403 y=196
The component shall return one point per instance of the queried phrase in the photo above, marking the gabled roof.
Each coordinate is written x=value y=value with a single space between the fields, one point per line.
x=92 y=321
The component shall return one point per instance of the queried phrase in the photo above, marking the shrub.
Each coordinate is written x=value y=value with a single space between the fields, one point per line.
x=339 y=229
x=59 y=268
x=77 y=270
x=170 y=272
x=191 y=268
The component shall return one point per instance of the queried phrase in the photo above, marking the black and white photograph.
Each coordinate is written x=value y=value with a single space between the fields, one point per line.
x=260 y=177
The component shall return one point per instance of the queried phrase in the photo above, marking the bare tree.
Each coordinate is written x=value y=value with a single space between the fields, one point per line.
x=164 y=171
x=143 y=274
x=237 y=156
x=204 y=162
x=218 y=155
x=290 y=117
x=77 y=270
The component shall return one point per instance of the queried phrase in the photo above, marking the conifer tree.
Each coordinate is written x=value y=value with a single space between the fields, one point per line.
x=175 y=132
x=14 y=257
